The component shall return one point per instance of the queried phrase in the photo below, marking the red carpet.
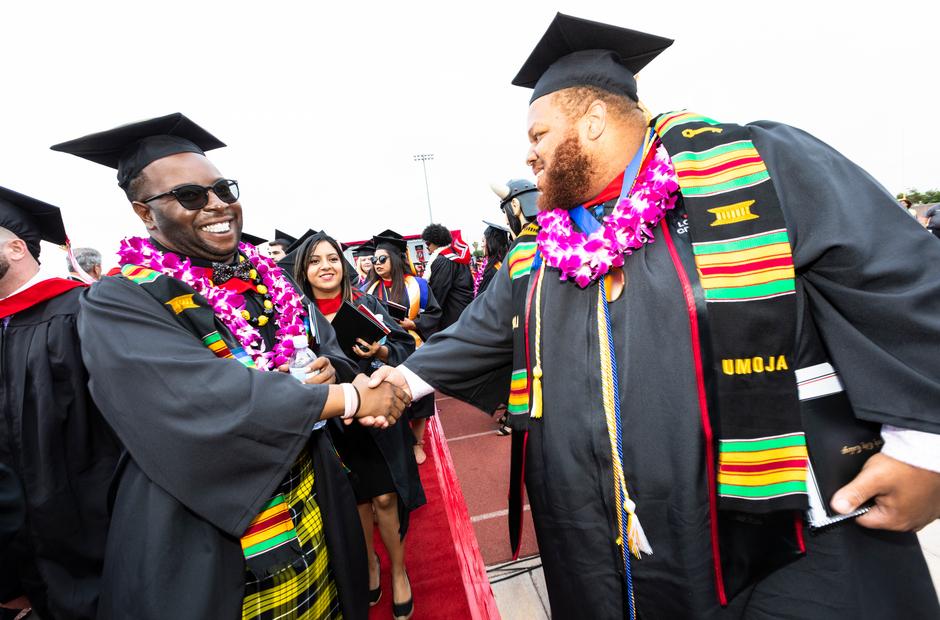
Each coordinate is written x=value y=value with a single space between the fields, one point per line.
x=448 y=579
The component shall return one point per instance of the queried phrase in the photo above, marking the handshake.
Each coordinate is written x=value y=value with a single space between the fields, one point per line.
x=382 y=397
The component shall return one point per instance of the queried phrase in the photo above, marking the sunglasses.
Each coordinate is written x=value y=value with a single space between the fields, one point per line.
x=195 y=197
x=380 y=260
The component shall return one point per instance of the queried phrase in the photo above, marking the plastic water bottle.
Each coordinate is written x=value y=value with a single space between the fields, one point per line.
x=302 y=357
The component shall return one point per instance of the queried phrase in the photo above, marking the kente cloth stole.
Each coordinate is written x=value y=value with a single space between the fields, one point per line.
x=271 y=539
x=519 y=262
x=744 y=264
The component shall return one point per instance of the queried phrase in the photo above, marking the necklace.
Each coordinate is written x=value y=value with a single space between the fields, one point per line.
x=588 y=257
x=280 y=299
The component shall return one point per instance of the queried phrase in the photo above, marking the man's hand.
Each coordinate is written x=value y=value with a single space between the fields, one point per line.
x=319 y=372
x=408 y=324
x=907 y=498
x=392 y=375
x=379 y=406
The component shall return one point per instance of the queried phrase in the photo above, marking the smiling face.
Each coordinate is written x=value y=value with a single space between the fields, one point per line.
x=325 y=270
x=210 y=233
x=383 y=267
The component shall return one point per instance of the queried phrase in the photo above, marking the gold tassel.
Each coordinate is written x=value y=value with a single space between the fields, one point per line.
x=535 y=410
x=537 y=392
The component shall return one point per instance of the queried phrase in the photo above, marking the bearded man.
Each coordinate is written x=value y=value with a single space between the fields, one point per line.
x=231 y=501
x=677 y=339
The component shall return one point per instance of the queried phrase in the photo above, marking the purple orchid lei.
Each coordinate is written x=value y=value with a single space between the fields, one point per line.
x=228 y=305
x=586 y=258
x=478 y=276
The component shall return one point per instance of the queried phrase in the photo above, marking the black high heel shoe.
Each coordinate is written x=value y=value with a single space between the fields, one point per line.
x=403 y=611
x=376 y=595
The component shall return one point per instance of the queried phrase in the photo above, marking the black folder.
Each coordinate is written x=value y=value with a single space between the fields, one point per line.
x=398 y=311
x=350 y=323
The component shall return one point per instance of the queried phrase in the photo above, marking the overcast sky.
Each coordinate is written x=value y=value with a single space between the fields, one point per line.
x=323 y=105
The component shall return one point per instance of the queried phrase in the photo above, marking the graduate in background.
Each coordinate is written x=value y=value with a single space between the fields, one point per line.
x=448 y=272
x=703 y=305
x=363 y=256
x=53 y=439
x=495 y=245
x=393 y=281
x=382 y=465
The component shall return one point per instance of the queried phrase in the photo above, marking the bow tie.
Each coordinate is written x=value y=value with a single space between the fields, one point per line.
x=223 y=273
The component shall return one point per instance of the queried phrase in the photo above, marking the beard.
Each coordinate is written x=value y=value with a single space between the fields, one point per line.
x=567 y=180
x=4 y=266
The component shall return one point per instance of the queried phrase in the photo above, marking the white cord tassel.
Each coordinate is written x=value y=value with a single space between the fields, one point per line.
x=82 y=274
x=636 y=537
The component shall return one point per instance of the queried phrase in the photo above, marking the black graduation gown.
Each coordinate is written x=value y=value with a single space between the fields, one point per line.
x=452 y=284
x=878 y=314
x=12 y=508
x=64 y=455
x=208 y=441
x=396 y=442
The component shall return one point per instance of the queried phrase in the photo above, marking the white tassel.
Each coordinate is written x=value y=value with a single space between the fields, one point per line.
x=82 y=274
x=636 y=537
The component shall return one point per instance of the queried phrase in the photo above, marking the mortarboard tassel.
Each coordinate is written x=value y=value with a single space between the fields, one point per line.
x=82 y=274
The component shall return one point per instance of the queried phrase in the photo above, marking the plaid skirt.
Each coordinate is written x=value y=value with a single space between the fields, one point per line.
x=304 y=589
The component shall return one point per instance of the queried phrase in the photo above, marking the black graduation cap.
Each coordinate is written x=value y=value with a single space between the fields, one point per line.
x=252 y=239
x=31 y=220
x=501 y=227
x=389 y=237
x=366 y=249
x=580 y=52
x=280 y=235
x=298 y=242
x=130 y=148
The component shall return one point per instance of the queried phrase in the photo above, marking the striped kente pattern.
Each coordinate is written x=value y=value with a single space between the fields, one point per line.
x=746 y=268
x=520 y=259
x=765 y=468
x=719 y=170
x=221 y=350
x=670 y=121
x=271 y=528
x=519 y=392
x=138 y=274
x=304 y=590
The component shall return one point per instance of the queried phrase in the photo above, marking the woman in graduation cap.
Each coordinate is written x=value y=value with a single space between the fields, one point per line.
x=383 y=471
x=495 y=246
x=392 y=281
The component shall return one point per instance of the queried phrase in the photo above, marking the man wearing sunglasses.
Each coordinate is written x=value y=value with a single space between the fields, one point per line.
x=230 y=494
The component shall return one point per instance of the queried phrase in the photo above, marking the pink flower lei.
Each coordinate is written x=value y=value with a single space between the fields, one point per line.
x=478 y=276
x=586 y=258
x=228 y=305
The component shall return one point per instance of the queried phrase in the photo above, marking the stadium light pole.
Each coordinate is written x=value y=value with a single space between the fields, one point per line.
x=424 y=159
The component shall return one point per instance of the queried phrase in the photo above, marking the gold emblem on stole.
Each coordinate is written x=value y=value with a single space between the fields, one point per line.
x=183 y=302
x=732 y=214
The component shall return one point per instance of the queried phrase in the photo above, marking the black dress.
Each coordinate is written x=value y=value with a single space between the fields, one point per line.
x=381 y=461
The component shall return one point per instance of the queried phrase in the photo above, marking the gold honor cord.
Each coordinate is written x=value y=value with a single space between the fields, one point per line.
x=537 y=369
